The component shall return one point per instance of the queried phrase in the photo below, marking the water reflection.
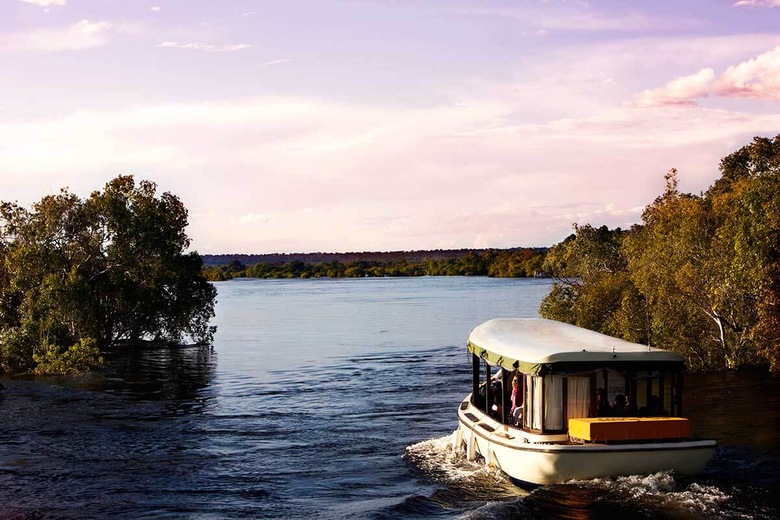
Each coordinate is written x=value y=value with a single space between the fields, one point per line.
x=172 y=372
x=110 y=444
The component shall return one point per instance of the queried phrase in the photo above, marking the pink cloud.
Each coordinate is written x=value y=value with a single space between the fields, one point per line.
x=206 y=47
x=767 y=4
x=681 y=91
x=46 y=3
x=574 y=16
x=757 y=77
x=81 y=35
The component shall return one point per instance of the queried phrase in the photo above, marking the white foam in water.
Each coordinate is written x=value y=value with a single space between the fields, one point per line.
x=498 y=510
x=435 y=456
x=659 y=491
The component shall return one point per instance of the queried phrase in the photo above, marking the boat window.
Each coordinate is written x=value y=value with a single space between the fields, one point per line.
x=616 y=385
x=657 y=393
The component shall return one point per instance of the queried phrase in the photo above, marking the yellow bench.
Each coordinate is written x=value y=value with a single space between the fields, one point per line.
x=629 y=428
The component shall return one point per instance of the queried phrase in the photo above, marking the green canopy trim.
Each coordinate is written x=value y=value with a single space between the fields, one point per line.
x=570 y=367
x=508 y=363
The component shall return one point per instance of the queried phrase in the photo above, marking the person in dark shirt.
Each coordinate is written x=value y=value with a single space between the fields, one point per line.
x=654 y=408
x=619 y=408
x=602 y=406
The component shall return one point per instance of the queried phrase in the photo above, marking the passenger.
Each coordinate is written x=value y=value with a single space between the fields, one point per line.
x=480 y=402
x=619 y=409
x=517 y=409
x=602 y=406
x=654 y=408
x=630 y=407
x=496 y=410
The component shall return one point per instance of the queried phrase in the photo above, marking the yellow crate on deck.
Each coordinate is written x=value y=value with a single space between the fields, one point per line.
x=629 y=428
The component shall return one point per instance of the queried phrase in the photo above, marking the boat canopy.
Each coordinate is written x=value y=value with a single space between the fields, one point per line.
x=539 y=346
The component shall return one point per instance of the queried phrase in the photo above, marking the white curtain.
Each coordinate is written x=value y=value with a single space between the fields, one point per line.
x=553 y=403
x=536 y=413
x=578 y=401
x=527 y=402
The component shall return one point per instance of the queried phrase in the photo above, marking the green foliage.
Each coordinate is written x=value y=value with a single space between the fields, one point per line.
x=559 y=304
x=592 y=287
x=77 y=358
x=515 y=263
x=108 y=269
x=700 y=275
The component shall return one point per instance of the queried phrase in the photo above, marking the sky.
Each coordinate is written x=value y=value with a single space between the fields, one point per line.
x=383 y=125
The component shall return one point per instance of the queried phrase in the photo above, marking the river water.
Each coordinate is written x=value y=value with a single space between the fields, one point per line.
x=336 y=399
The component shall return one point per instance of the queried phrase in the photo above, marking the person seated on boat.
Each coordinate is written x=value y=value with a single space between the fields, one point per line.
x=620 y=408
x=479 y=400
x=516 y=403
x=654 y=408
x=496 y=411
x=602 y=408
x=631 y=407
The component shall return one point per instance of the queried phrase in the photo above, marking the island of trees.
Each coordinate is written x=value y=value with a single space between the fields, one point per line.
x=80 y=277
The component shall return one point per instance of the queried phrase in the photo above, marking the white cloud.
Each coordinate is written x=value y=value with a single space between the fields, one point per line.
x=206 y=47
x=575 y=17
x=252 y=218
x=767 y=4
x=757 y=77
x=81 y=35
x=274 y=62
x=681 y=91
x=156 y=8
x=46 y=3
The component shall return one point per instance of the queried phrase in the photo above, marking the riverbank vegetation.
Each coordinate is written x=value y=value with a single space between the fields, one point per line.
x=522 y=262
x=80 y=277
x=700 y=274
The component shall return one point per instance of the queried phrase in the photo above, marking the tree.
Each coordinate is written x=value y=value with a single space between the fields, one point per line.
x=700 y=274
x=592 y=288
x=748 y=194
x=91 y=274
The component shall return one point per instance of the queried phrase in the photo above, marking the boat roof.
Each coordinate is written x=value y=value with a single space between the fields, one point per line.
x=528 y=344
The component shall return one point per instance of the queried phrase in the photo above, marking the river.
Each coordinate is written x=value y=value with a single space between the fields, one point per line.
x=336 y=399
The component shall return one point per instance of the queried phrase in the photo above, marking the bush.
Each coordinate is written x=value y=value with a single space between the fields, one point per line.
x=77 y=358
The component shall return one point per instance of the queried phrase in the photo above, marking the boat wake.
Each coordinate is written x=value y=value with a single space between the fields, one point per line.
x=436 y=458
x=442 y=465
x=659 y=495
x=662 y=494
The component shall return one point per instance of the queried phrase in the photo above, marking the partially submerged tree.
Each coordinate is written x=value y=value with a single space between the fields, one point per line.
x=81 y=276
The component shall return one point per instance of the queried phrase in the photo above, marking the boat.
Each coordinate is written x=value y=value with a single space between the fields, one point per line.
x=560 y=426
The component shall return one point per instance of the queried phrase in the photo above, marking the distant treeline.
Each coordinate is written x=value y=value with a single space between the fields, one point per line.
x=345 y=258
x=502 y=263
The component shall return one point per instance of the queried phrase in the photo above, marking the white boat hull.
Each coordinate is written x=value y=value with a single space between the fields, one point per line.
x=526 y=458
